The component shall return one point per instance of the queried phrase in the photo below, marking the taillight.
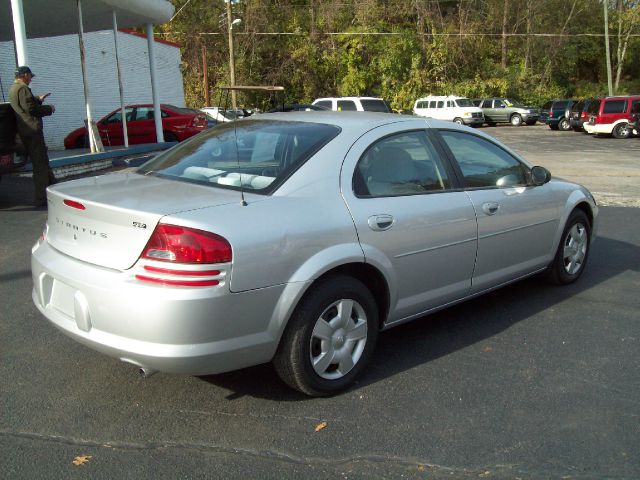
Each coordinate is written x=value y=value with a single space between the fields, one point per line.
x=584 y=115
x=199 y=121
x=171 y=243
x=550 y=113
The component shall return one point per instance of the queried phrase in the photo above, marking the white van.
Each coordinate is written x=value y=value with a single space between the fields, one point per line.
x=353 y=104
x=455 y=109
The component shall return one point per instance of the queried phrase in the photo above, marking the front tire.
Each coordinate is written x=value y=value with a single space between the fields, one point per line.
x=458 y=121
x=516 y=120
x=573 y=250
x=620 y=131
x=330 y=337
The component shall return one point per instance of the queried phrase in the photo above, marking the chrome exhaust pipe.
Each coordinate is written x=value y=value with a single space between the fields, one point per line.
x=146 y=372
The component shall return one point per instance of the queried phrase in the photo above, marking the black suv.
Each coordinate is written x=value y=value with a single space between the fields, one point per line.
x=555 y=113
x=634 y=121
x=579 y=114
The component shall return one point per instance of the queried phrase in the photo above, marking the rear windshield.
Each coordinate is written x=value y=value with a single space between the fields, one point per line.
x=578 y=107
x=547 y=105
x=253 y=155
x=561 y=104
x=182 y=110
x=464 y=102
x=374 y=106
x=594 y=107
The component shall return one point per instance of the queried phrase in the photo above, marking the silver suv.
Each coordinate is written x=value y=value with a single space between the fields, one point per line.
x=504 y=110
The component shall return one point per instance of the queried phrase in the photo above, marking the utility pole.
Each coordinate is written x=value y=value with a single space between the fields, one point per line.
x=606 y=46
x=232 y=62
x=205 y=80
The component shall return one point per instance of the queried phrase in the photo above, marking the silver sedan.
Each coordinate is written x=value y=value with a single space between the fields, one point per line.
x=295 y=238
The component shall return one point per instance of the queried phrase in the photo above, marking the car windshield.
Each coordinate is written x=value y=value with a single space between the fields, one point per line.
x=512 y=103
x=256 y=155
x=464 y=102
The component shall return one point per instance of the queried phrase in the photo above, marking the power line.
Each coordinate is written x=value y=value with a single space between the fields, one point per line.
x=560 y=35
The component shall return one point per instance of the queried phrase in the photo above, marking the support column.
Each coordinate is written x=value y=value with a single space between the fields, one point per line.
x=92 y=130
x=20 y=33
x=125 y=133
x=154 y=84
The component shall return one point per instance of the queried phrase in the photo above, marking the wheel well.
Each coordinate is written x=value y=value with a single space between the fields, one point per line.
x=371 y=278
x=586 y=208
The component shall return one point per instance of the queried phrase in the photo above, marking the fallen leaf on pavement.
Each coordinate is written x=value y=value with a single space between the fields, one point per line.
x=321 y=426
x=81 y=460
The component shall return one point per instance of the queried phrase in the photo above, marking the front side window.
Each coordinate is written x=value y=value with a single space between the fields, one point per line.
x=324 y=104
x=486 y=104
x=402 y=164
x=484 y=164
x=144 y=113
x=347 y=106
x=614 y=106
x=254 y=155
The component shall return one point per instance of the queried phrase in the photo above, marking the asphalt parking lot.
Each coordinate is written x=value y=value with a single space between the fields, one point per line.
x=532 y=381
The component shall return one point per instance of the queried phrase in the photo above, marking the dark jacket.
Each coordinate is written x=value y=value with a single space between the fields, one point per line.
x=29 y=110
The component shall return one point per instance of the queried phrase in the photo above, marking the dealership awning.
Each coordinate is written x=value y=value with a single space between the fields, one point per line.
x=47 y=18
x=22 y=19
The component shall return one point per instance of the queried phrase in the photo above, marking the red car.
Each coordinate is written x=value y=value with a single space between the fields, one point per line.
x=177 y=124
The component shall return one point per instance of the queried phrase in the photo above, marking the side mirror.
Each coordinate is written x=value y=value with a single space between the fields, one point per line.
x=540 y=175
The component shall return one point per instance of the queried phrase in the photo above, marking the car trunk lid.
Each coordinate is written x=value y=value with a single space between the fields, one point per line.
x=108 y=220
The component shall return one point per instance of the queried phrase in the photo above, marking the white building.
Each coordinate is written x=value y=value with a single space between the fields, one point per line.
x=56 y=63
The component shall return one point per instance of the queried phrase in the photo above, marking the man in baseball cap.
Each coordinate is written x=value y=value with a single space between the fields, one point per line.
x=29 y=111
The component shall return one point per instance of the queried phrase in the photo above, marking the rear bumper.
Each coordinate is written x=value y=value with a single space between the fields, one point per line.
x=196 y=331
x=599 y=128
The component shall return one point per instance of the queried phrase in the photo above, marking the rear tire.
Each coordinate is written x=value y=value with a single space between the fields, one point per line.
x=564 y=124
x=620 y=131
x=330 y=337
x=553 y=127
x=573 y=250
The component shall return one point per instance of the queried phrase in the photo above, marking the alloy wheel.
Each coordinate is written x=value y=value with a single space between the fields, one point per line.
x=338 y=339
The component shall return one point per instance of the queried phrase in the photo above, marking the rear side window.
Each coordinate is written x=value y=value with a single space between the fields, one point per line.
x=484 y=164
x=402 y=164
x=440 y=104
x=594 y=107
x=346 y=106
x=374 y=106
x=252 y=154
x=486 y=104
x=614 y=106
x=432 y=104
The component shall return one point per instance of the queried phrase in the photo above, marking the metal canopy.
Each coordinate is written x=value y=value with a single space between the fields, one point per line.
x=47 y=18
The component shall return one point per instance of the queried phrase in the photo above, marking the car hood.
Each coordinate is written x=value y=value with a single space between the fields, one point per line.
x=108 y=220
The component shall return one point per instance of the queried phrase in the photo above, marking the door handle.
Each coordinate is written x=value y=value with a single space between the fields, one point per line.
x=490 y=208
x=380 y=222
